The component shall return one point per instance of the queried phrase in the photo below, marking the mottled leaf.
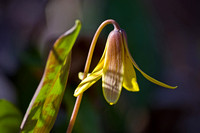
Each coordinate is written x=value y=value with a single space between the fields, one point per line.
x=42 y=111
x=10 y=117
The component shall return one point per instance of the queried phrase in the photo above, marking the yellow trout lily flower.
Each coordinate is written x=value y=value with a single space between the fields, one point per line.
x=116 y=67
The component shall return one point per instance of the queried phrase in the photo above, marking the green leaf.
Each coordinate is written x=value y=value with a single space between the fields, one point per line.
x=43 y=109
x=10 y=117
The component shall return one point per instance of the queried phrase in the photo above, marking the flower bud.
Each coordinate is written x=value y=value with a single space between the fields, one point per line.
x=113 y=69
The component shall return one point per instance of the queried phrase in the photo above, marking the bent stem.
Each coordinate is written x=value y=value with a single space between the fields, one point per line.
x=87 y=66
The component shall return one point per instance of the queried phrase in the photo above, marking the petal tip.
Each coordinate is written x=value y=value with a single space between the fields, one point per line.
x=173 y=87
x=80 y=75
x=111 y=103
x=76 y=93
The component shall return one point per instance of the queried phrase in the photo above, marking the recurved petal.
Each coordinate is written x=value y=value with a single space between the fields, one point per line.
x=130 y=81
x=144 y=74
x=152 y=79
x=113 y=70
x=91 y=78
x=101 y=62
x=87 y=82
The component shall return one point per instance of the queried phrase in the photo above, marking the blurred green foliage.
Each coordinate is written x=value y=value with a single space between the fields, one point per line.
x=10 y=117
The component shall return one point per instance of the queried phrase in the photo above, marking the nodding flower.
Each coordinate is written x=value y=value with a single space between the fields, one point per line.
x=116 y=67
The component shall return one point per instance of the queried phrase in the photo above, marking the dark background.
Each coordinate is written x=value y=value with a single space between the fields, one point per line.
x=163 y=37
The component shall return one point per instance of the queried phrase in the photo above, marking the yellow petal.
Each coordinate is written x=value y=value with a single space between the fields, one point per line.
x=87 y=82
x=81 y=75
x=113 y=69
x=101 y=62
x=91 y=78
x=144 y=74
x=130 y=81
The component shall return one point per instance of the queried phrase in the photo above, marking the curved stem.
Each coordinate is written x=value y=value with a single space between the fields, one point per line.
x=87 y=66
x=93 y=44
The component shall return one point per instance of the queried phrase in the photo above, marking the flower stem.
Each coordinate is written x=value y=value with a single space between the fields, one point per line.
x=87 y=66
